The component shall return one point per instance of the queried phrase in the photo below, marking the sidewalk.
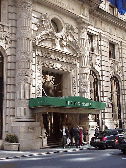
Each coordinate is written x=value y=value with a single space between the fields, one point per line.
x=45 y=151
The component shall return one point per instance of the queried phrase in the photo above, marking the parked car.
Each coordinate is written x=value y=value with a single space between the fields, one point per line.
x=121 y=142
x=105 y=139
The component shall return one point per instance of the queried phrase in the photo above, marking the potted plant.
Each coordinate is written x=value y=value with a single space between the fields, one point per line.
x=11 y=142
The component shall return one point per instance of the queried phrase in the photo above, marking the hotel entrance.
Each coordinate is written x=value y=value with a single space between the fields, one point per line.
x=53 y=122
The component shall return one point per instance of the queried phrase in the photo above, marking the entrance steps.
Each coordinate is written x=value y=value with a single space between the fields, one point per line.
x=53 y=142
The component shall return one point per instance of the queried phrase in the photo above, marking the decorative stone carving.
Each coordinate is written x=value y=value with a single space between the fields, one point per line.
x=45 y=62
x=46 y=31
x=39 y=80
x=74 y=82
x=115 y=67
x=56 y=55
x=94 y=60
x=44 y=25
x=23 y=55
x=84 y=84
x=25 y=5
x=23 y=75
x=5 y=36
x=84 y=43
x=70 y=38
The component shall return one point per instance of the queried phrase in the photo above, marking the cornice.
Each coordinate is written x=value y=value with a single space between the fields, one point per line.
x=92 y=3
x=61 y=9
x=111 y=19
x=57 y=51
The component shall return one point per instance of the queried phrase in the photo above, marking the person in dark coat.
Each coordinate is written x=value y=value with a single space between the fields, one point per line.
x=96 y=131
x=71 y=135
x=85 y=135
x=64 y=136
x=77 y=136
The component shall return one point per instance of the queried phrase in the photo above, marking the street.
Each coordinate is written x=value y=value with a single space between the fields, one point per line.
x=89 y=158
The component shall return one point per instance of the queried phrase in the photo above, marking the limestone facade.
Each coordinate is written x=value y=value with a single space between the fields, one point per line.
x=84 y=42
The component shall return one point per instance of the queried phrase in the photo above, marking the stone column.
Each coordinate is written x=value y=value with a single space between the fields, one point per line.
x=84 y=83
x=28 y=132
x=23 y=58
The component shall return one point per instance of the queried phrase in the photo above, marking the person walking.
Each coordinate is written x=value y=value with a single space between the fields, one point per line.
x=64 y=136
x=71 y=135
x=77 y=136
x=96 y=131
x=81 y=132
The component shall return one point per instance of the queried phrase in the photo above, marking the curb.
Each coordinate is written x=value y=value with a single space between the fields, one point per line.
x=43 y=154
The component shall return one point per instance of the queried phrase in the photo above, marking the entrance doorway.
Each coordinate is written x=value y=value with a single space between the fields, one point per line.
x=53 y=122
x=1 y=95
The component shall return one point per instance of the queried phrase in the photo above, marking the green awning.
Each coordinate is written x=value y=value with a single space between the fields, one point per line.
x=70 y=101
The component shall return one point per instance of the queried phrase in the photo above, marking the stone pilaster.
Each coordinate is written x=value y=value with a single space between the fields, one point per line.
x=84 y=83
x=39 y=79
x=23 y=58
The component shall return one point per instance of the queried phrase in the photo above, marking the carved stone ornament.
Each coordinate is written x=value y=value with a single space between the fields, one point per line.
x=115 y=66
x=70 y=38
x=24 y=75
x=46 y=31
x=74 y=82
x=5 y=37
x=56 y=55
x=49 y=63
x=44 y=24
x=39 y=79
x=25 y=5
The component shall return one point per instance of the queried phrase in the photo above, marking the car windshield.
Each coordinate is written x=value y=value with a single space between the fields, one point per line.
x=114 y=132
x=111 y=132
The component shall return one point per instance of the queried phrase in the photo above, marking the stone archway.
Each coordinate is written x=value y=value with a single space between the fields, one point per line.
x=3 y=62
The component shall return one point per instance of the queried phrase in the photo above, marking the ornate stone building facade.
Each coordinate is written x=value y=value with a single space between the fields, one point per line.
x=60 y=48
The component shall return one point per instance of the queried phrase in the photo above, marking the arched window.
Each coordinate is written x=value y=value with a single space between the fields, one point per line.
x=94 y=86
x=94 y=93
x=1 y=95
x=115 y=98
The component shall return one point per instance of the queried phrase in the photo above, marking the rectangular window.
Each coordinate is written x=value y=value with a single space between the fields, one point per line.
x=90 y=36
x=111 y=50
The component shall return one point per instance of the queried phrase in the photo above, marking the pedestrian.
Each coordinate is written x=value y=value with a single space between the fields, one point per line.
x=87 y=132
x=77 y=136
x=96 y=131
x=64 y=136
x=71 y=135
x=81 y=132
